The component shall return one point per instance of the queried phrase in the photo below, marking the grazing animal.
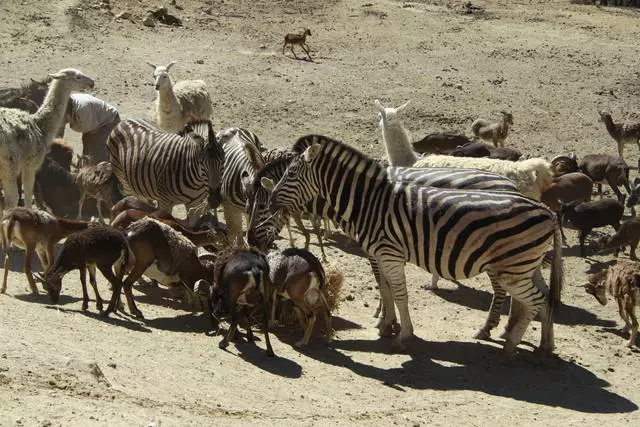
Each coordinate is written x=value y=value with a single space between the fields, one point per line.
x=480 y=149
x=297 y=275
x=495 y=132
x=242 y=289
x=531 y=176
x=297 y=39
x=62 y=153
x=100 y=247
x=187 y=101
x=456 y=233
x=634 y=195
x=264 y=226
x=34 y=231
x=622 y=133
x=589 y=215
x=56 y=189
x=242 y=160
x=610 y=169
x=130 y=202
x=25 y=138
x=627 y=234
x=440 y=143
x=395 y=136
x=171 y=169
x=566 y=189
x=622 y=282
x=27 y=97
x=100 y=183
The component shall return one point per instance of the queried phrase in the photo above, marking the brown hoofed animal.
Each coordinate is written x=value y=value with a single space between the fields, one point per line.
x=297 y=275
x=589 y=215
x=100 y=183
x=494 y=132
x=564 y=189
x=297 y=39
x=103 y=247
x=34 y=231
x=622 y=133
x=628 y=234
x=622 y=282
x=610 y=169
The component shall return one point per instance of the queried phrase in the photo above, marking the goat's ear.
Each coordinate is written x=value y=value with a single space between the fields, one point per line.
x=150 y=64
x=311 y=152
x=170 y=64
x=403 y=106
x=380 y=107
x=267 y=184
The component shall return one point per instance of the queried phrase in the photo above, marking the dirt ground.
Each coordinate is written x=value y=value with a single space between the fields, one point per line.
x=552 y=64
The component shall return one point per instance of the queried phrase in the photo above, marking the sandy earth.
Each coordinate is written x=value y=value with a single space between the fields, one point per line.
x=551 y=63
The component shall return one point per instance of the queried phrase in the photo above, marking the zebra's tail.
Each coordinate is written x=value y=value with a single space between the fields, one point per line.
x=557 y=272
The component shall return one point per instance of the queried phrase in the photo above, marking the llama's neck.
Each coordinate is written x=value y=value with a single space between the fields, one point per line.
x=168 y=101
x=398 y=146
x=611 y=127
x=51 y=113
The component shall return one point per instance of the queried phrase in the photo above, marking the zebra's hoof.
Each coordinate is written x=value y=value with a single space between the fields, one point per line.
x=482 y=334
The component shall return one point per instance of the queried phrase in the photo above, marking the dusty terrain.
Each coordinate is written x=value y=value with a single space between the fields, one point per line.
x=551 y=63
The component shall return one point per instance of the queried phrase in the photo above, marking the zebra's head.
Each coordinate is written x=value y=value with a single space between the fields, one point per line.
x=213 y=157
x=299 y=183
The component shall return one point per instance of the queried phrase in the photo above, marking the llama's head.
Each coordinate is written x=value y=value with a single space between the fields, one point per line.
x=388 y=115
x=74 y=79
x=161 y=74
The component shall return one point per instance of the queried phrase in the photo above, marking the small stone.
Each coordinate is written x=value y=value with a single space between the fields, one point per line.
x=112 y=365
x=350 y=297
x=611 y=370
x=200 y=61
x=123 y=15
x=366 y=304
x=149 y=22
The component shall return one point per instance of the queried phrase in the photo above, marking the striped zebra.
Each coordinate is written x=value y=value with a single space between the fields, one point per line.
x=170 y=168
x=264 y=226
x=455 y=233
x=242 y=160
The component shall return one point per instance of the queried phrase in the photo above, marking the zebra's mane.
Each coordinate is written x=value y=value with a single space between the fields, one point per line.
x=269 y=167
x=303 y=143
x=203 y=128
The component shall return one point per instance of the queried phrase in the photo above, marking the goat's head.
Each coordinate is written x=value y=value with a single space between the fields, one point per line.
x=53 y=284
x=507 y=117
x=161 y=76
x=388 y=115
x=634 y=196
x=596 y=286
x=74 y=79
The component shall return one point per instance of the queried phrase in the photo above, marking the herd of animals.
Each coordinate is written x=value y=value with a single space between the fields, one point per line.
x=454 y=206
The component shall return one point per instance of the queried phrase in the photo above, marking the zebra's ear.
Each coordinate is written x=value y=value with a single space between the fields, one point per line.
x=267 y=184
x=311 y=152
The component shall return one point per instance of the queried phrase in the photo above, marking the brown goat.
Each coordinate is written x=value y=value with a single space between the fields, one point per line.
x=628 y=234
x=34 y=230
x=610 y=169
x=567 y=188
x=622 y=282
x=100 y=183
x=61 y=152
x=297 y=275
x=495 y=132
x=297 y=39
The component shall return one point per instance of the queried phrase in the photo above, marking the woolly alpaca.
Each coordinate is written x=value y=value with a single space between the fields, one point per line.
x=395 y=136
x=177 y=104
x=25 y=138
x=532 y=176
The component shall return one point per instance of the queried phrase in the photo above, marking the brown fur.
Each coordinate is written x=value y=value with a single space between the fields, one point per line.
x=297 y=39
x=622 y=133
x=628 y=234
x=100 y=183
x=34 y=230
x=622 y=282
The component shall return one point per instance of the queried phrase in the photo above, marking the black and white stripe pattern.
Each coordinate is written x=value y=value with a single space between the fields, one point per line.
x=241 y=163
x=170 y=168
x=455 y=233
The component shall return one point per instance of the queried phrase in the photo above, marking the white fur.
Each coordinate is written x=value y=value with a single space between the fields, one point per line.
x=395 y=136
x=531 y=176
x=25 y=138
x=180 y=103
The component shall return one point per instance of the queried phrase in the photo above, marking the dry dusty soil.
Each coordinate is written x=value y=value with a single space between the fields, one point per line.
x=553 y=64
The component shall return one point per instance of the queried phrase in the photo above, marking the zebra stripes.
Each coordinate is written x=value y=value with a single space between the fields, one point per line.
x=455 y=233
x=170 y=168
x=242 y=160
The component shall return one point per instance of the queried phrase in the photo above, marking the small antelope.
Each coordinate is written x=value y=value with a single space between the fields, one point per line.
x=299 y=39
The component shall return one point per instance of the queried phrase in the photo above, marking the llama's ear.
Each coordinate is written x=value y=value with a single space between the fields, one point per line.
x=311 y=152
x=58 y=76
x=403 y=106
x=150 y=64
x=267 y=184
x=380 y=107
x=170 y=64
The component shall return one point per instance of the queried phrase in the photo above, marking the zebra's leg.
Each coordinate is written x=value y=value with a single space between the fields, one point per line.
x=392 y=269
x=385 y=305
x=523 y=290
x=499 y=295
x=288 y=225
x=434 y=282
x=316 y=229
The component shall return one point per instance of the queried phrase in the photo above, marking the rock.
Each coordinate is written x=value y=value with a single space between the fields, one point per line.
x=123 y=15
x=200 y=61
x=350 y=297
x=149 y=22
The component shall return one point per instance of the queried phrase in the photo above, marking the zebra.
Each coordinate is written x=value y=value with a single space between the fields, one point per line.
x=455 y=233
x=242 y=160
x=264 y=227
x=170 y=168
